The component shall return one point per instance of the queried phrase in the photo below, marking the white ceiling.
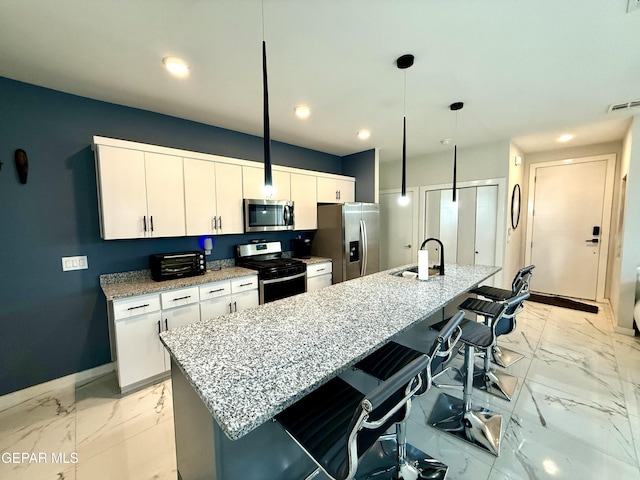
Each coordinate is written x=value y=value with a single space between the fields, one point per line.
x=526 y=70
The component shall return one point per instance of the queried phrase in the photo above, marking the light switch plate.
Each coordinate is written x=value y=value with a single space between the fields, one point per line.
x=74 y=263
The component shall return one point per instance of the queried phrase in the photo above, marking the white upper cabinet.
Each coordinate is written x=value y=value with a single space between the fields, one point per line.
x=253 y=181
x=335 y=190
x=165 y=195
x=213 y=197
x=229 y=198
x=140 y=194
x=152 y=191
x=303 y=194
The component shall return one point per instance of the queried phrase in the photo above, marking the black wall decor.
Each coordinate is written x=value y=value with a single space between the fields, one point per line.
x=22 y=165
x=515 y=206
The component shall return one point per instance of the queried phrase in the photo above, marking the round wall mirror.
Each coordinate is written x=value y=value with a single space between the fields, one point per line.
x=515 y=206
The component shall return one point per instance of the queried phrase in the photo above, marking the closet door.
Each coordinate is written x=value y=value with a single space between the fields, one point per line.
x=486 y=225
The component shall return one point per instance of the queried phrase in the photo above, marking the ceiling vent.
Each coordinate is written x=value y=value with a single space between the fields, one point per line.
x=618 y=107
x=633 y=6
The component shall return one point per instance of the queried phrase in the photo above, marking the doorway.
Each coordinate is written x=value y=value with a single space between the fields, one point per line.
x=398 y=229
x=568 y=225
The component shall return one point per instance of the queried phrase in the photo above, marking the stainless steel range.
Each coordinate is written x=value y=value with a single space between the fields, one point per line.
x=278 y=277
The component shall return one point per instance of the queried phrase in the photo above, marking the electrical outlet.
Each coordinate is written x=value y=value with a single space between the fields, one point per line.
x=633 y=6
x=74 y=263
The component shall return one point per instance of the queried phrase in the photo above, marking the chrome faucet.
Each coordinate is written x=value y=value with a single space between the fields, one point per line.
x=441 y=267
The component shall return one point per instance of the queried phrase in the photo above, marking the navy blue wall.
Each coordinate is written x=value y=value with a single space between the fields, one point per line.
x=362 y=166
x=54 y=323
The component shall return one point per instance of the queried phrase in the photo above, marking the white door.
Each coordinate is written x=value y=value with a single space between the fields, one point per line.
x=229 y=198
x=568 y=206
x=396 y=231
x=165 y=195
x=140 y=353
x=466 y=228
x=305 y=206
x=200 y=196
x=122 y=192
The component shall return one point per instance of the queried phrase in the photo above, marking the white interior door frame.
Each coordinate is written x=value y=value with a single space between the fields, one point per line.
x=501 y=214
x=414 y=214
x=606 y=215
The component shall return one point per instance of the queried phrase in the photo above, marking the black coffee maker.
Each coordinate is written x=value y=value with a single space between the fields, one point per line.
x=301 y=248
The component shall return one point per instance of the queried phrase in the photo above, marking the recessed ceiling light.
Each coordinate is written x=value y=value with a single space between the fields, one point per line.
x=364 y=134
x=176 y=66
x=302 y=111
x=565 y=138
x=445 y=141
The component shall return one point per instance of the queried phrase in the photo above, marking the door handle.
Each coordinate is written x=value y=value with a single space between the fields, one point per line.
x=220 y=222
x=151 y=222
x=407 y=246
x=144 y=223
x=593 y=240
x=166 y=324
x=214 y=223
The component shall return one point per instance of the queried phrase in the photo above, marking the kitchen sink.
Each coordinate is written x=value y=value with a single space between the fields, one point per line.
x=412 y=272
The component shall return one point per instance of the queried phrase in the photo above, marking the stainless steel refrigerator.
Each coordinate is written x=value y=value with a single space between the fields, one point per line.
x=349 y=234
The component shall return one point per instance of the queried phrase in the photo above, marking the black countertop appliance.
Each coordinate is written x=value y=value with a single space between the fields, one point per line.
x=301 y=248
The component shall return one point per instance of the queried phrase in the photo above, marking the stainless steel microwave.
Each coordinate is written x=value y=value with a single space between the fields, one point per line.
x=268 y=215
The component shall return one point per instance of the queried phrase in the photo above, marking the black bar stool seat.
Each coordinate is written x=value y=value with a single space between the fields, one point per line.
x=493 y=293
x=337 y=425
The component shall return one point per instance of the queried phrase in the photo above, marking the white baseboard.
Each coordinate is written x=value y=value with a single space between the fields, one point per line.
x=625 y=331
x=75 y=379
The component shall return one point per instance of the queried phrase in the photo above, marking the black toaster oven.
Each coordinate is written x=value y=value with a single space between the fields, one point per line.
x=166 y=266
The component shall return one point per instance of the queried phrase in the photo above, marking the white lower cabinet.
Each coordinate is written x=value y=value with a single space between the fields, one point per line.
x=140 y=353
x=136 y=322
x=319 y=276
x=228 y=296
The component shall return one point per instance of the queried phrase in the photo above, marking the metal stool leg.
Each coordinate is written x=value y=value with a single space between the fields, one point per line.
x=478 y=426
x=496 y=383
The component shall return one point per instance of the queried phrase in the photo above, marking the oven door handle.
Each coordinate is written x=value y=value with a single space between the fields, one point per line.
x=283 y=279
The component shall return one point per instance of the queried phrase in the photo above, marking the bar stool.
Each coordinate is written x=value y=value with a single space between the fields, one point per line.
x=476 y=425
x=505 y=357
x=502 y=320
x=389 y=359
x=336 y=425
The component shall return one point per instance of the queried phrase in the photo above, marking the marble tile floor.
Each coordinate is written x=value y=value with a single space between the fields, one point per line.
x=575 y=415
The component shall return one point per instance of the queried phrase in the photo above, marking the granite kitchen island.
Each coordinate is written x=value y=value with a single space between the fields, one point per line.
x=231 y=375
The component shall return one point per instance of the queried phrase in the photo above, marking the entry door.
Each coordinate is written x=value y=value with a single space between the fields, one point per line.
x=568 y=212
x=396 y=231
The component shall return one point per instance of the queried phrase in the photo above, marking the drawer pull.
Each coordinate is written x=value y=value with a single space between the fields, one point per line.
x=139 y=306
x=217 y=290
x=320 y=269
x=181 y=298
x=245 y=284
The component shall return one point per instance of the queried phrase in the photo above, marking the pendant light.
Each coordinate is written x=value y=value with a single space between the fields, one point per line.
x=267 y=189
x=454 y=108
x=403 y=63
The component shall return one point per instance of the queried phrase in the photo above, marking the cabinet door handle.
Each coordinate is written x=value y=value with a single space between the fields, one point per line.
x=217 y=290
x=245 y=284
x=235 y=306
x=144 y=223
x=220 y=222
x=230 y=308
x=158 y=327
x=166 y=324
x=139 y=306
x=181 y=298
x=337 y=195
x=151 y=222
x=214 y=223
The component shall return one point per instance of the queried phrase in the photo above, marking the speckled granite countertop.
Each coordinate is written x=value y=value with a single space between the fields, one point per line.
x=312 y=260
x=248 y=366
x=143 y=286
